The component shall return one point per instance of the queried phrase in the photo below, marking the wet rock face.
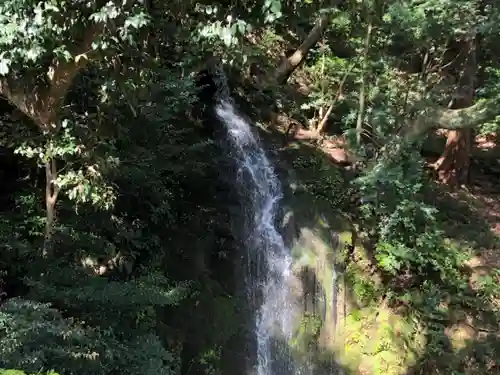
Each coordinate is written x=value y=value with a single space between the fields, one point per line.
x=212 y=82
x=289 y=228
x=205 y=82
x=207 y=99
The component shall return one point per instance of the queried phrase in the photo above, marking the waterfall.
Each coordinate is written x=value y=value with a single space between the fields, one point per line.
x=269 y=277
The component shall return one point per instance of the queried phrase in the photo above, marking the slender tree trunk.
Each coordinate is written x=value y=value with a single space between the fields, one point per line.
x=338 y=96
x=362 y=92
x=324 y=119
x=288 y=65
x=51 y=192
x=42 y=105
x=453 y=165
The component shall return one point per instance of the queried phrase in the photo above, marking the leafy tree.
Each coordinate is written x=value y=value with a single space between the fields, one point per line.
x=43 y=49
x=97 y=291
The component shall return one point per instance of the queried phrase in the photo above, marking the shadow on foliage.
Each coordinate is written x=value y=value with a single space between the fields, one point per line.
x=464 y=217
x=479 y=356
x=283 y=355
x=171 y=220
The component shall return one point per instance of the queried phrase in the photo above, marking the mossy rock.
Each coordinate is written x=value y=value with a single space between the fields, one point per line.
x=378 y=342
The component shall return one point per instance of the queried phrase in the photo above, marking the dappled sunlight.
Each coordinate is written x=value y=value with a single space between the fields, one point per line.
x=378 y=341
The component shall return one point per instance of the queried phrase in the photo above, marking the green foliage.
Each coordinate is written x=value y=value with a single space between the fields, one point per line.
x=421 y=269
x=364 y=289
x=17 y=372
x=32 y=35
x=409 y=237
x=35 y=336
x=126 y=161
x=424 y=270
x=320 y=180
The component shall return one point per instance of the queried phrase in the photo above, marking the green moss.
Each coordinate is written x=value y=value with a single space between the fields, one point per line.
x=306 y=336
x=317 y=254
x=364 y=291
x=320 y=181
x=345 y=237
x=379 y=342
x=372 y=339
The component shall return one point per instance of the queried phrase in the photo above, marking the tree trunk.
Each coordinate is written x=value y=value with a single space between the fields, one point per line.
x=453 y=165
x=51 y=192
x=338 y=96
x=288 y=65
x=324 y=119
x=42 y=105
x=362 y=92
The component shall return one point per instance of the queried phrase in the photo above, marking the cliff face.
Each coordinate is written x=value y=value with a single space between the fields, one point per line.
x=316 y=231
x=338 y=325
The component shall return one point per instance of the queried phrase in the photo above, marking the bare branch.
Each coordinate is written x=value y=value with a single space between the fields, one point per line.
x=289 y=64
x=338 y=96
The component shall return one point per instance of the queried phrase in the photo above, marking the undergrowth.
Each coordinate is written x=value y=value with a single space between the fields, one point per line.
x=423 y=275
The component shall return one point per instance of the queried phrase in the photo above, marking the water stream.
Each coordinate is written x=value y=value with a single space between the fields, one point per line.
x=269 y=282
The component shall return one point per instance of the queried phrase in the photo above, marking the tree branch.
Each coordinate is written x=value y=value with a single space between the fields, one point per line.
x=41 y=104
x=289 y=64
x=452 y=119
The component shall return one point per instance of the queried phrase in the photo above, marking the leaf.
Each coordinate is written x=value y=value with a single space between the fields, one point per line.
x=81 y=56
x=226 y=36
x=276 y=8
x=137 y=21
x=241 y=26
x=4 y=66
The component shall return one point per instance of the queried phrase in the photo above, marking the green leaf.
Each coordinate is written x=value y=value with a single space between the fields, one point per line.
x=4 y=66
x=137 y=21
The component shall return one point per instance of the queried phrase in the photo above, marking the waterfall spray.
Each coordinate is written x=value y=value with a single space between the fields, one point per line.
x=270 y=283
x=274 y=316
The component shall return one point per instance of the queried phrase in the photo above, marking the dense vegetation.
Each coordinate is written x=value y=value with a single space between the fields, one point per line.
x=118 y=239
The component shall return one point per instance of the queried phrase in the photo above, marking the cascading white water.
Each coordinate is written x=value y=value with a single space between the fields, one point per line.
x=276 y=309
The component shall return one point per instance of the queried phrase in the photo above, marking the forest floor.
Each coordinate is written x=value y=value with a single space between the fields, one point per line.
x=469 y=216
x=473 y=212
